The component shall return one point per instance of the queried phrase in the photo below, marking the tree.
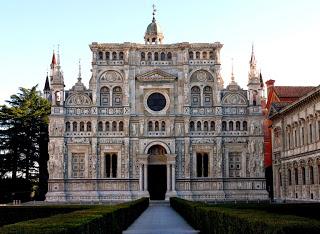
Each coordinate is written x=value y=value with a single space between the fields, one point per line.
x=24 y=136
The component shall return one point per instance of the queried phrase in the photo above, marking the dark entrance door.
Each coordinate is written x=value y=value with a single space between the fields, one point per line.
x=157 y=181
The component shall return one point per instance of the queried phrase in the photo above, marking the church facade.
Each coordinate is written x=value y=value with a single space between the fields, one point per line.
x=155 y=121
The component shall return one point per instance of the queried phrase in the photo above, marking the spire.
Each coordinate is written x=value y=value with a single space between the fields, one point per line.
x=253 y=74
x=53 y=60
x=261 y=80
x=232 y=74
x=253 y=57
x=46 y=85
x=154 y=13
x=58 y=61
x=79 y=75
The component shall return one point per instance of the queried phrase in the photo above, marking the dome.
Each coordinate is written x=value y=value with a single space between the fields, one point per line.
x=153 y=33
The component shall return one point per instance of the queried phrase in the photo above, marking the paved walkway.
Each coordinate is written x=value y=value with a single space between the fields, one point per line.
x=160 y=218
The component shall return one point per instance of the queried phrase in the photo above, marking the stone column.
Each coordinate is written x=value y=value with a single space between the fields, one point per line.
x=145 y=177
x=173 y=179
x=140 y=177
x=168 y=177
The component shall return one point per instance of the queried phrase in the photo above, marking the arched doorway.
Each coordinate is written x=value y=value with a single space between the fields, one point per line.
x=157 y=172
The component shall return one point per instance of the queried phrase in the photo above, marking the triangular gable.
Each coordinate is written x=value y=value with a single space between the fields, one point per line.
x=156 y=75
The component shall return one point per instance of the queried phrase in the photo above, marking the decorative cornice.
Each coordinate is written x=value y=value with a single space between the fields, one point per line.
x=156 y=75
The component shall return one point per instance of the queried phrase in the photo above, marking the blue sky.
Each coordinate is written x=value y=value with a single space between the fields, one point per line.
x=286 y=35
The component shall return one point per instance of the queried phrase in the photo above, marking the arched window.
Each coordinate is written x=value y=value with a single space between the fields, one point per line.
x=230 y=126
x=156 y=126
x=289 y=177
x=205 y=126
x=212 y=126
x=104 y=96
x=191 y=126
x=100 y=55
x=296 y=176
x=114 y=55
x=121 y=55
x=204 y=55
x=211 y=56
x=117 y=96
x=191 y=55
x=120 y=126
x=303 y=172
x=156 y=56
x=114 y=126
x=195 y=96
x=100 y=126
x=169 y=56
x=197 y=55
x=89 y=127
x=143 y=56
x=68 y=127
x=254 y=97
x=107 y=126
x=163 y=56
x=198 y=126
x=238 y=126
x=74 y=126
x=207 y=95
x=311 y=175
x=163 y=126
x=150 y=126
x=81 y=126
x=224 y=126
x=107 y=55
x=149 y=55
x=245 y=126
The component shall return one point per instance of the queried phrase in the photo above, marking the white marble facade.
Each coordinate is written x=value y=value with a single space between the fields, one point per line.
x=296 y=149
x=156 y=118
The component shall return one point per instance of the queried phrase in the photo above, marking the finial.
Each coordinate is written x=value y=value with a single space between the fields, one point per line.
x=58 y=54
x=79 y=75
x=232 y=74
x=154 y=12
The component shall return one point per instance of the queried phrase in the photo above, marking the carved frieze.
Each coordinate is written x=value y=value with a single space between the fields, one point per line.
x=111 y=77
x=78 y=99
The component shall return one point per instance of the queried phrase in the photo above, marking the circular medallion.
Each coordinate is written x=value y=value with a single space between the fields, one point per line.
x=156 y=101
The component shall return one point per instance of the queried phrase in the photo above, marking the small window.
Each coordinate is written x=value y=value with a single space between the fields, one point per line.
x=224 y=126
x=198 y=126
x=238 y=126
x=204 y=55
x=156 y=126
x=88 y=126
x=311 y=175
x=202 y=164
x=114 y=126
x=163 y=56
x=169 y=56
x=150 y=126
x=212 y=126
x=303 y=171
x=191 y=126
x=100 y=55
x=120 y=126
x=121 y=55
x=205 y=126
x=114 y=55
x=81 y=126
x=74 y=126
x=107 y=126
x=195 y=96
x=111 y=165
x=143 y=56
x=107 y=55
x=197 y=55
x=100 y=126
x=149 y=56
x=289 y=177
x=245 y=126
x=68 y=127
x=296 y=176
x=163 y=126
x=156 y=56
x=230 y=126
x=190 y=55
x=211 y=56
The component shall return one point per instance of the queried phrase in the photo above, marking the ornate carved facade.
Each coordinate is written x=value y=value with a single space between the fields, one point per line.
x=296 y=148
x=155 y=121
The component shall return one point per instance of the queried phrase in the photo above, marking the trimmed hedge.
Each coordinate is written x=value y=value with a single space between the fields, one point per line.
x=97 y=219
x=226 y=219
x=14 y=214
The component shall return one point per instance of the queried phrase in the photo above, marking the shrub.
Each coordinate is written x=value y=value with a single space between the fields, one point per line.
x=98 y=219
x=241 y=219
